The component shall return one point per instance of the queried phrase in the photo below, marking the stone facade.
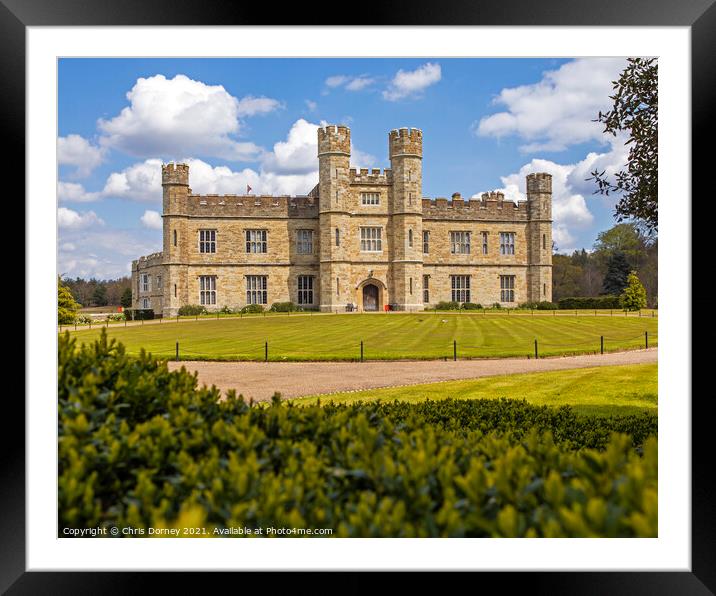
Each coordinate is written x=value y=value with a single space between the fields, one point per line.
x=357 y=238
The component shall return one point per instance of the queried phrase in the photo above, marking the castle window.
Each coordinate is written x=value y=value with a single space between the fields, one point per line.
x=207 y=289
x=175 y=237
x=371 y=239
x=544 y=241
x=370 y=198
x=256 y=289
x=207 y=241
x=304 y=242
x=305 y=289
x=426 y=289
x=460 y=286
x=336 y=196
x=338 y=237
x=175 y=290
x=146 y=303
x=410 y=198
x=544 y=290
x=507 y=288
x=411 y=286
x=410 y=238
x=256 y=242
x=426 y=242
x=484 y=242
x=338 y=286
x=146 y=283
x=159 y=282
x=507 y=243
x=460 y=243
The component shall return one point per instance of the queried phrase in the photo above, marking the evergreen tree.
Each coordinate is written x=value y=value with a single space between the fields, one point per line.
x=66 y=305
x=99 y=296
x=634 y=295
x=618 y=270
x=126 y=299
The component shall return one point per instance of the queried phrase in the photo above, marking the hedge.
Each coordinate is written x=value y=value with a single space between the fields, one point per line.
x=138 y=314
x=284 y=307
x=590 y=302
x=191 y=310
x=144 y=447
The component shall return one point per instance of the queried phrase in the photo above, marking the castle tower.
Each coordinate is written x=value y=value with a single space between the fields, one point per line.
x=334 y=152
x=175 y=197
x=539 y=237
x=405 y=148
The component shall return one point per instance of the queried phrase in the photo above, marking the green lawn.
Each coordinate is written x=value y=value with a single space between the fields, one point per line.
x=385 y=336
x=601 y=391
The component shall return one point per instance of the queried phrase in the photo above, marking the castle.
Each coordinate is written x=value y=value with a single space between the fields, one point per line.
x=365 y=238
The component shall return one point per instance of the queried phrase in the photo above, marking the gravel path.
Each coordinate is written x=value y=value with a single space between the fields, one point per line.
x=259 y=380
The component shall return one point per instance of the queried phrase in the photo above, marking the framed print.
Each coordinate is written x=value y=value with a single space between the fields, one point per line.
x=391 y=288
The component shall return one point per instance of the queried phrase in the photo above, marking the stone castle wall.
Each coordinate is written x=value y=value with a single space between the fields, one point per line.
x=335 y=213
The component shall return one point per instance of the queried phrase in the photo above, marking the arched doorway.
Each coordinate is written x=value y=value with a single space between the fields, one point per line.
x=370 y=297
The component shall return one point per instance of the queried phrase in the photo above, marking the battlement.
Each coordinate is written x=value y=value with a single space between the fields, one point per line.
x=490 y=206
x=540 y=182
x=405 y=141
x=253 y=205
x=175 y=174
x=156 y=258
x=334 y=139
x=370 y=176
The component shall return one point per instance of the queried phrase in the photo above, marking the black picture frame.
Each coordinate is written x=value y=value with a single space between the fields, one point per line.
x=699 y=15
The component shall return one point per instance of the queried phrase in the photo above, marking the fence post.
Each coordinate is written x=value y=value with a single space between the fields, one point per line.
x=646 y=339
x=601 y=344
x=142 y=320
x=125 y=324
x=454 y=350
x=90 y=323
x=266 y=352
x=177 y=351
x=361 y=350
x=536 y=351
x=611 y=313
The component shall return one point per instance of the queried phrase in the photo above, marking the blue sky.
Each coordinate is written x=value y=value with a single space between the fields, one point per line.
x=486 y=124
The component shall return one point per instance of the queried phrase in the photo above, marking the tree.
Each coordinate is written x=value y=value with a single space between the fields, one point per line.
x=126 y=299
x=66 y=305
x=618 y=271
x=634 y=295
x=99 y=296
x=636 y=111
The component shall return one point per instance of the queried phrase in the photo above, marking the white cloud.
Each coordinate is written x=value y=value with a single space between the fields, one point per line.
x=311 y=105
x=559 y=110
x=151 y=220
x=172 y=117
x=297 y=154
x=74 y=150
x=72 y=220
x=74 y=192
x=350 y=82
x=252 y=106
x=411 y=83
x=138 y=182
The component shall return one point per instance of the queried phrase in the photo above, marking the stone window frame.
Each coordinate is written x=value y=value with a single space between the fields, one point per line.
x=370 y=199
x=410 y=237
x=371 y=236
x=207 y=290
x=256 y=238
x=305 y=285
x=485 y=247
x=460 y=242
x=426 y=242
x=338 y=237
x=146 y=302
x=257 y=289
x=175 y=237
x=159 y=282
x=460 y=288
x=207 y=241
x=146 y=282
x=304 y=246
x=426 y=289
x=507 y=243
x=507 y=288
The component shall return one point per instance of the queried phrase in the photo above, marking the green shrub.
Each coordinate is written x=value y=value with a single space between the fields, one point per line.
x=225 y=310
x=448 y=305
x=496 y=305
x=84 y=319
x=544 y=305
x=590 y=302
x=191 y=310
x=116 y=316
x=141 y=446
x=284 y=307
x=471 y=306
x=252 y=309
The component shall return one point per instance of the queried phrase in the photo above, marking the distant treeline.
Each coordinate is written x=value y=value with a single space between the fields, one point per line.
x=622 y=248
x=99 y=292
